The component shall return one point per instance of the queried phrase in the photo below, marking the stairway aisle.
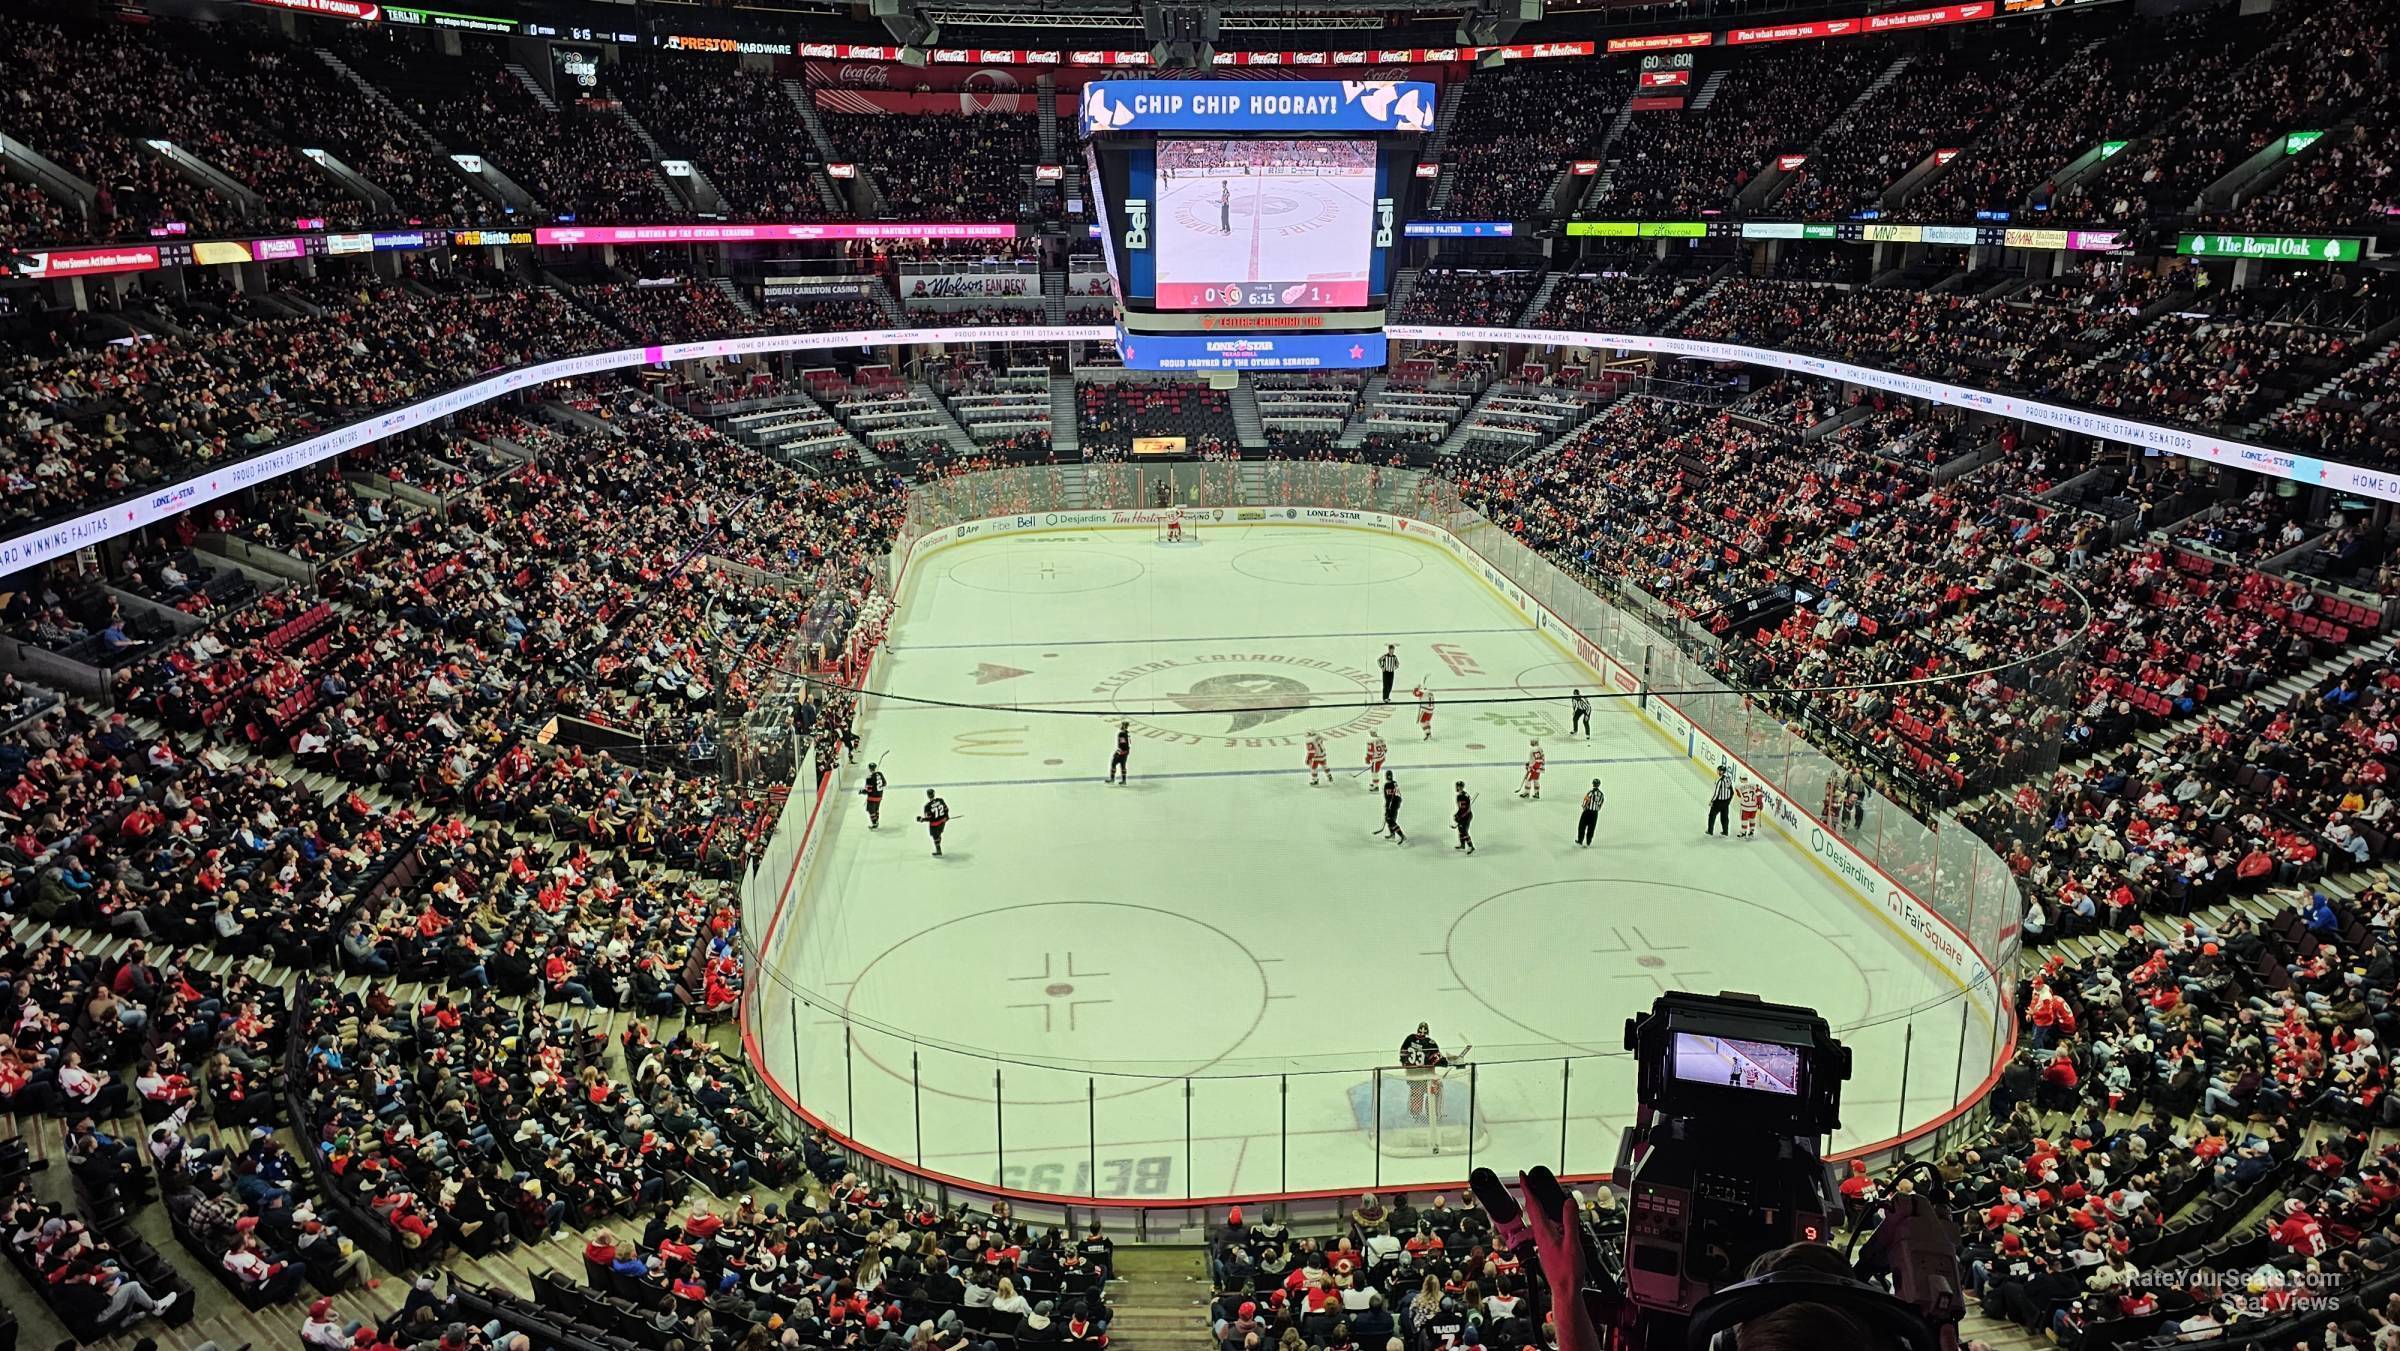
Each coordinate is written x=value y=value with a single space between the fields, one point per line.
x=1162 y=1304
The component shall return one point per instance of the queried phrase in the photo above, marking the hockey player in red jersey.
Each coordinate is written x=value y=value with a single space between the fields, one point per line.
x=1535 y=761
x=1749 y=797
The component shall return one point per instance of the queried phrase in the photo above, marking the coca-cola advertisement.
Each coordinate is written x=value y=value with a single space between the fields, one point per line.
x=963 y=103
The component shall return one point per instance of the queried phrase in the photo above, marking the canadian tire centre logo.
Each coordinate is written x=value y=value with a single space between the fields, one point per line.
x=1245 y=699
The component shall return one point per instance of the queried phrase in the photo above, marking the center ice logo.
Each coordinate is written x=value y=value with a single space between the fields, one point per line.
x=1255 y=692
x=1252 y=698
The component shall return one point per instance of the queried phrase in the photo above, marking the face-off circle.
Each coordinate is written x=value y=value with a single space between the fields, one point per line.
x=1018 y=572
x=1340 y=560
x=1071 y=998
x=1628 y=940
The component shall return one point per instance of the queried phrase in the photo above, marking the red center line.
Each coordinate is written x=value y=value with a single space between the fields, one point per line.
x=1257 y=215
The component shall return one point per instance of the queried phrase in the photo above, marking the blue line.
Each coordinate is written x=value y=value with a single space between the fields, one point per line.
x=1208 y=638
x=1243 y=773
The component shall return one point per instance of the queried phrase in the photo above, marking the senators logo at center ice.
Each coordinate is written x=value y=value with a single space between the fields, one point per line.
x=1252 y=698
x=1252 y=690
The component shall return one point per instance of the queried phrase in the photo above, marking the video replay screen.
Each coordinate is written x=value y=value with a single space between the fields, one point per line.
x=1264 y=224
x=1731 y=1062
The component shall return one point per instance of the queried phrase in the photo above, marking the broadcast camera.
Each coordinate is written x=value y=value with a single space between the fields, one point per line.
x=1730 y=1208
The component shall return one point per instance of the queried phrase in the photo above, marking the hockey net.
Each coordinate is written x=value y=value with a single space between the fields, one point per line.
x=1179 y=530
x=1417 y=1113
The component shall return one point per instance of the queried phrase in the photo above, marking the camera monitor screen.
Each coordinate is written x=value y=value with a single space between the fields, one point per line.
x=1264 y=224
x=1730 y=1062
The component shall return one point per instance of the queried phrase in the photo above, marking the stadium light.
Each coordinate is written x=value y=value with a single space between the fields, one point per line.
x=908 y=25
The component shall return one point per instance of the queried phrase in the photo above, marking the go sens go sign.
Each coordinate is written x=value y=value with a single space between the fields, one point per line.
x=2294 y=248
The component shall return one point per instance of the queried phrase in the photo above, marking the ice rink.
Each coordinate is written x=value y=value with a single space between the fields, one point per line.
x=1084 y=952
x=1290 y=230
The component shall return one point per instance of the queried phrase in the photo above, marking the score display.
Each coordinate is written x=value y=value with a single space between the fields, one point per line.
x=1264 y=224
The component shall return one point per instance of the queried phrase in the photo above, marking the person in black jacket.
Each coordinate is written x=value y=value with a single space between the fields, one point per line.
x=511 y=971
x=1099 y=1253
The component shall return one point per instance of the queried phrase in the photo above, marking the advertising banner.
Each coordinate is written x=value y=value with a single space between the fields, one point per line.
x=562 y=235
x=52 y=541
x=1655 y=103
x=1458 y=229
x=1949 y=234
x=1930 y=18
x=1795 y=32
x=434 y=18
x=817 y=288
x=893 y=103
x=1665 y=79
x=2287 y=248
x=1294 y=106
x=969 y=285
x=88 y=262
x=2364 y=482
x=1281 y=352
x=1660 y=42
x=683 y=42
x=1874 y=23
x=1085 y=58
x=1158 y=445
x=356 y=11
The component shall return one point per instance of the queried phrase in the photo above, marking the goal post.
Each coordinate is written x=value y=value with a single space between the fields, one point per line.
x=1179 y=530
x=1415 y=1113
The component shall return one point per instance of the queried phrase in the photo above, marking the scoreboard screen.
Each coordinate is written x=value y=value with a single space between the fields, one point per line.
x=1252 y=225
x=1264 y=224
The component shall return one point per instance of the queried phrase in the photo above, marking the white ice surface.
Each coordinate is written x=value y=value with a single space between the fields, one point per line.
x=1292 y=229
x=1222 y=921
